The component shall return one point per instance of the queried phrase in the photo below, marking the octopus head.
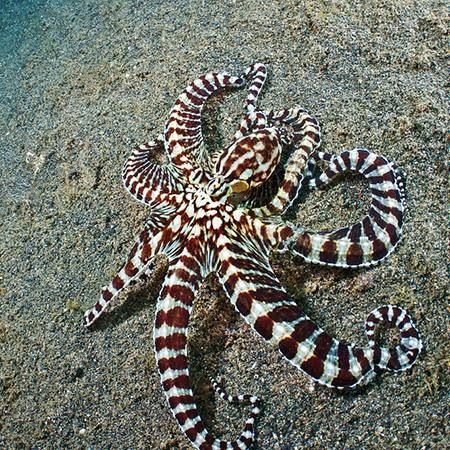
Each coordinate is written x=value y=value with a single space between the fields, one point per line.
x=247 y=163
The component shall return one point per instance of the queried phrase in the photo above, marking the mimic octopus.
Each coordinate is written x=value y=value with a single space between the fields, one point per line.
x=221 y=212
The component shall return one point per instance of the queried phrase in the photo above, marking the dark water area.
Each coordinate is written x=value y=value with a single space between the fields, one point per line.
x=81 y=84
x=13 y=56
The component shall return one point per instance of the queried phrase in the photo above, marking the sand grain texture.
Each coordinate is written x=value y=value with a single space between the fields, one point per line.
x=81 y=83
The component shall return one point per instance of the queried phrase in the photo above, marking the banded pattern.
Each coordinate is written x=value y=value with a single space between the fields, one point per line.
x=375 y=236
x=257 y=74
x=305 y=138
x=172 y=318
x=222 y=214
x=253 y=119
x=145 y=180
x=183 y=133
x=256 y=293
x=156 y=238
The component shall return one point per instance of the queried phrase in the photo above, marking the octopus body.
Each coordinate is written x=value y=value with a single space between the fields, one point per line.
x=222 y=213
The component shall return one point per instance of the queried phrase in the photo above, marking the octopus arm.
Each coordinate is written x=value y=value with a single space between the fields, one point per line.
x=256 y=293
x=155 y=239
x=373 y=238
x=170 y=338
x=146 y=180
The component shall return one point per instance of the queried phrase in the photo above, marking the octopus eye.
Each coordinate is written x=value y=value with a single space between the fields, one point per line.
x=239 y=186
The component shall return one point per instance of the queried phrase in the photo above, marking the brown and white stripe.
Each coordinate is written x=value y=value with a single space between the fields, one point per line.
x=183 y=132
x=256 y=293
x=162 y=234
x=170 y=336
x=305 y=139
x=257 y=74
x=194 y=223
x=146 y=180
x=375 y=236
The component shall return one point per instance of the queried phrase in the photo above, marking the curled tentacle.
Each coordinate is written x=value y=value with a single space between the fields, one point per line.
x=183 y=132
x=256 y=293
x=375 y=236
x=241 y=398
x=146 y=180
x=403 y=355
x=182 y=140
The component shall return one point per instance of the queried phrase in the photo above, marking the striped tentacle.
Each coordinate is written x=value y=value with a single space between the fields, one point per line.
x=144 y=179
x=305 y=138
x=237 y=398
x=374 y=237
x=257 y=73
x=162 y=235
x=256 y=293
x=183 y=132
x=171 y=326
x=253 y=119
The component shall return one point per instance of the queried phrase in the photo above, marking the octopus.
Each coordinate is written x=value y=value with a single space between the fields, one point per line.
x=222 y=212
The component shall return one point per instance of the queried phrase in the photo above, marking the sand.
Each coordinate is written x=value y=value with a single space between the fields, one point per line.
x=81 y=83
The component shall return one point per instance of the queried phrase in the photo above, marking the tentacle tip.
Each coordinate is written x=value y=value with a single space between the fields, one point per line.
x=88 y=320
x=86 y=325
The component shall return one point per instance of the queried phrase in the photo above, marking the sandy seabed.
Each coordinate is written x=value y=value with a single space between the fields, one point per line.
x=84 y=81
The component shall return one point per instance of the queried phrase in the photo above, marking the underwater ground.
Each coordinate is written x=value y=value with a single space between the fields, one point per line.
x=81 y=83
